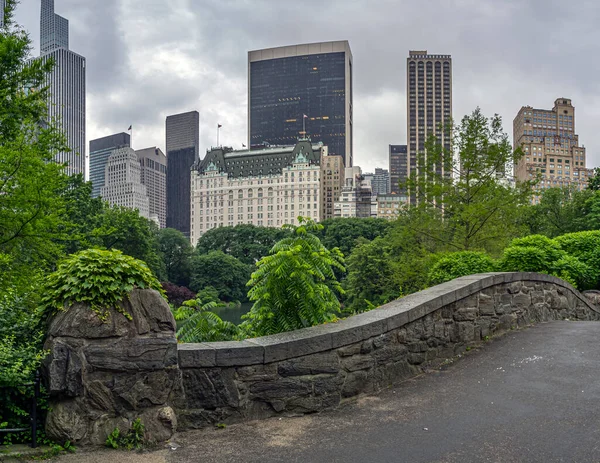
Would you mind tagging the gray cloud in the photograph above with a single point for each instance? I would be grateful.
(151, 58)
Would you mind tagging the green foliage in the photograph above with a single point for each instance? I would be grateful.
(247, 243)
(549, 247)
(525, 259)
(132, 439)
(372, 277)
(30, 208)
(344, 233)
(176, 252)
(225, 273)
(100, 278)
(571, 269)
(560, 210)
(459, 264)
(472, 208)
(585, 246)
(294, 287)
(594, 180)
(202, 325)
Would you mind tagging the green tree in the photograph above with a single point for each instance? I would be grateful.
(176, 252)
(473, 206)
(223, 272)
(126, 230)
(246, 242)
(560, 211)
(594, 180)
(295, 286)
(30, 207)
(458, 264)
(343, 233)
(372, 276)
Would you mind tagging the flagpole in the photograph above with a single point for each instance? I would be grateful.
(304, 126)
(218, 128)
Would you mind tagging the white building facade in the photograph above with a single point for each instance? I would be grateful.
(123, 185)
(269, 187)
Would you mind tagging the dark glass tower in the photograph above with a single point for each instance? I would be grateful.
(183, 140)
(398, 167)
(288, 83)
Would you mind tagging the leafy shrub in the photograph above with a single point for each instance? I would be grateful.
(132, 439)
(177, 295)
(295, 286)
(571, 269)
(459, 264)
(525, 259)
(550, 248)
(585, 246)
(99, 278)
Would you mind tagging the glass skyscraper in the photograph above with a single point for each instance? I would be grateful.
(66, 105)
(301, 86)
(182, 141)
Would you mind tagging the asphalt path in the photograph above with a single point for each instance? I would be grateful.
(529, 396)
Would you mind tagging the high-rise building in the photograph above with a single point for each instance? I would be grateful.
(301, 87)
(379, 181)
(390, 205)
(182, 144)
(398, 167)
(268, 187)
(357, 198)
(2, 7)
(429, 104)
(123, 185)
(66, 82)
(332, 179)
(551, 147)
(154, 177)
(100, 150)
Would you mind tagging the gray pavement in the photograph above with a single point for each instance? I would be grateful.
(529, 396)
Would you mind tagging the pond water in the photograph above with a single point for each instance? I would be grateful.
(233, 315)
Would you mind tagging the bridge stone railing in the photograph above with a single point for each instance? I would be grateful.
(131, 369)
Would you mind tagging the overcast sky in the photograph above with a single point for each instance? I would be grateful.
(147, 59)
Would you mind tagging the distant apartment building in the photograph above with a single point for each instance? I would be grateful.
(379, 181)
(299, 87)
(357, 198)
(182, 145)
(153, 163)
(390, 205)
(332, 178)
(268, 187)
(123, 184)
(429, 104)
(551, 147)
(100, 151)
(67, 87)
(398, 156)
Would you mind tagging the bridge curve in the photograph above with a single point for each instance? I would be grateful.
(320, 367)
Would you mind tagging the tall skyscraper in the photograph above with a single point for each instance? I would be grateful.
(66, 105)
(2, 7)
(154, 176)
(551, 147)
(123, 182)
(398, 167)
(302, 86)
(182, 141)
(100, 150)
(429, 103)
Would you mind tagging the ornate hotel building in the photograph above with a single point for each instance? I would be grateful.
(551, 147)
(268, 187)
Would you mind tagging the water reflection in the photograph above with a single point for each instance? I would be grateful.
(233, 315)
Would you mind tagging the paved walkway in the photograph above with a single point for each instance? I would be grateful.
(529, 396)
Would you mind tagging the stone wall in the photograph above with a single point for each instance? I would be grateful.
(104, 375)
(321, 367)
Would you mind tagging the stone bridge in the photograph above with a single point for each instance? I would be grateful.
(104, 375)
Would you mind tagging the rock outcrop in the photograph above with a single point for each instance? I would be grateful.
(103, 374)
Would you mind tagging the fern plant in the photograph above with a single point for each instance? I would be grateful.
(295, 286)
(199, 324)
